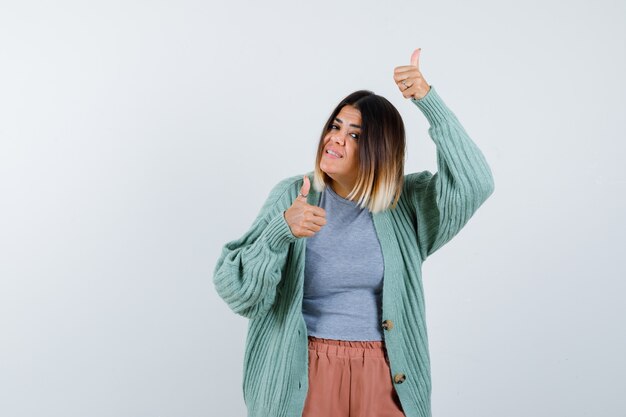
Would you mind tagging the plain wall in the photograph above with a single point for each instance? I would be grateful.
(136, 138)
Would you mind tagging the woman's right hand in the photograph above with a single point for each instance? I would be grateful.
(304, 219)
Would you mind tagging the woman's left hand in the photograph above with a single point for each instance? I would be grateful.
(409, 78)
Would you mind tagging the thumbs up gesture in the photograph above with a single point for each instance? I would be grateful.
(304, 219)
(409, 78)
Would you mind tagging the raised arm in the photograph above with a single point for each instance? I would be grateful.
(443, 202)
(446, 200)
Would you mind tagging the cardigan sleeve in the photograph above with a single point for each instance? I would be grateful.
(250, 268)
(445, 201)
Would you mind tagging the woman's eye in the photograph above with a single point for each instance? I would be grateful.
(355, 135)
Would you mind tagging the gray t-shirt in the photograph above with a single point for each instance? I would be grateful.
(343, 276)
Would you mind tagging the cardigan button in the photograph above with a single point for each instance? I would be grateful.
(399, 378)
(387, 324)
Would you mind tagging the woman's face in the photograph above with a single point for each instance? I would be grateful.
(343, 138)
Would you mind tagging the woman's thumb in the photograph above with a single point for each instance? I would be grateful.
(306, 185)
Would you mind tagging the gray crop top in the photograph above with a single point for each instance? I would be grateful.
(343, 276)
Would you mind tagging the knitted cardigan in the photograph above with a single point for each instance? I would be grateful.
(260, 275)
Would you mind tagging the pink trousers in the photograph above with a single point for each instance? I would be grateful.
(350, 379)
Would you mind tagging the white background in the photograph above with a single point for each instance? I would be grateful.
(136, 138)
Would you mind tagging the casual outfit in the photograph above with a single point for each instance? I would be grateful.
(337, 318)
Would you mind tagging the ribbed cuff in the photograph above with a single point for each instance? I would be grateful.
(433, 107)
(277, 231)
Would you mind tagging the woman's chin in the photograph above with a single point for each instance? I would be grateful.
(328, 172)
(327, 168)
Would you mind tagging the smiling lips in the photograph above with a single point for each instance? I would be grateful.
(333, 153)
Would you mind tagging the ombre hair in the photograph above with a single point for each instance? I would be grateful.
(381, 150)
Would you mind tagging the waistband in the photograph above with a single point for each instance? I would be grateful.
(349, 348)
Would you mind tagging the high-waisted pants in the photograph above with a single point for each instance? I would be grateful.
(350, 379)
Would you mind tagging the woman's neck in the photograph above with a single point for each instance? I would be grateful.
(340, 189)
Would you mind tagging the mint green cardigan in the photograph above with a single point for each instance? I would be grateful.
(260, 275)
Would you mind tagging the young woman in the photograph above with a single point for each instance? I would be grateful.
(330, 275)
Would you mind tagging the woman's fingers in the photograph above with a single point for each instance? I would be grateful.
(409, 78)
(317, 220)
(400, 75)
(311, 227)
(318, 211)
(304, 219)
(405, 68)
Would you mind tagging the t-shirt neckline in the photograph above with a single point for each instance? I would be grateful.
(339, 198)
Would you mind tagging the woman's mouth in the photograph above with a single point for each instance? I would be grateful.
(331, 154)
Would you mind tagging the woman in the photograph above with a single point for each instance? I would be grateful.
(330, 275)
